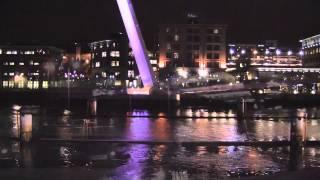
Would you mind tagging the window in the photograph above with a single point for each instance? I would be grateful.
(209, 47)
(153, 62)
(11, 74)
(104, 54)
(168, 46)
(11, 84)
(195, 56)
(216, 31)
(209, 56)
(12, 52)
(167, 30)
(5, 63)
(0, 51)
(45, 85)
(36, 63)
(97, 64)
(29, 52)
(196, 38)
(176, 38)
(217, 48)
(176, 55)
(196, 47)
(217, 39)
(189, 38)
(36, 84)
(21, 63)
(115, 53)
(169, 55)
(216, 56)
(130, 73)
(11, 63)
(115, 63)
(5, 74)
(5, 84)
(117, 83)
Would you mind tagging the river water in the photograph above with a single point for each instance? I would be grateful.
(160, 161)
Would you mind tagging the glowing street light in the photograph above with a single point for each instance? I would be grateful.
(289, 53)
(243, 51)
(267, 52)
(255, 52)
(301, 53)
(278, 52)
(231, 51)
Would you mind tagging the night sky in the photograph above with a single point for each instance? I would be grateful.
(61, 22)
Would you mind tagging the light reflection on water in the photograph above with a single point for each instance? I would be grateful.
(165, 161)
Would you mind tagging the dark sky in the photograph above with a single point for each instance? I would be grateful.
(65, 21)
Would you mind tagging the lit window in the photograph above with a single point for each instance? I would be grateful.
(29, 52)
(11, 84)
(5, 63)
(12, 52)
(115, 53)
(104, 54)
(117, 83)
(216, 31)
(154, 62)
(5, 74)
(130, 73)
(36, 84)
(11, 74)
(104, 74)
(5, 84)
(176, 37)
(21, 63)
(36, 63)
(155, 69)
(114, 44)
(30, 84)
(117, 73)
(45, 85)
(11, 63)
(176, 55)
(97, 64)
(115, 63)
(0, 51)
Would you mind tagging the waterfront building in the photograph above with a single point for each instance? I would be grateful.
(264, 55)
(311, 51)
(113, 63)
(30, 67)
(192, 45)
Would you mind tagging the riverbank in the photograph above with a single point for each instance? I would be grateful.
(309, 174)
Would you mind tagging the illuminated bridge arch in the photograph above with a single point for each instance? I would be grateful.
(138, 45)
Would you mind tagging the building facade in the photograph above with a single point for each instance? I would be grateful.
(31, 67)
(311, 50)
(113, 63)
(192, 45)
(263, 55)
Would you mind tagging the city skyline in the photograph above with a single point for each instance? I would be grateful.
(60, 22)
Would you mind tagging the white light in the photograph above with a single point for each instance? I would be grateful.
(301, 53)
(289, 53)
(243, 51)
(203, 73)
(255, 52)
(231, 51)
(267, 52)
(278, 52)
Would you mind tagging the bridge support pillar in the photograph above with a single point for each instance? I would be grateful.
(297, 139)
(93, 105)
(26, 127)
